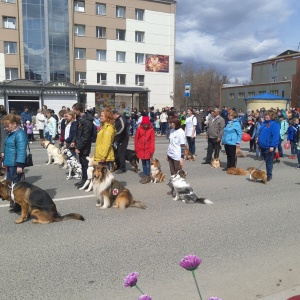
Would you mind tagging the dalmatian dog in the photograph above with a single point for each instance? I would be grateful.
(73, 165)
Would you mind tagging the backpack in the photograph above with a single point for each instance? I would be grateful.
(198, 130)
(94, 134)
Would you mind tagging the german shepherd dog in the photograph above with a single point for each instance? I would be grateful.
(110, 192)
(156, 174)
(130, 155)
(34, 201)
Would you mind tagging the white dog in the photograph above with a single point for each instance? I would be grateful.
(74, 165)
(55, 154)
(90, 170)
(184, 191)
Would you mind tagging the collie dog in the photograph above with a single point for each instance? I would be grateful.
(110, 192)
(257, 174)
(156, 174)
(215, 163)
(237, 171)
(89, 182)
(55, 154)
(183, 191)
(34, 202)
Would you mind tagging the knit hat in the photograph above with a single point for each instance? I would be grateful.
(145, 120)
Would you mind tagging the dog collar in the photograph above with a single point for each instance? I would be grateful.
(47, 145)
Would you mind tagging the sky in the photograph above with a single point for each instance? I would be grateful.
(232, 34)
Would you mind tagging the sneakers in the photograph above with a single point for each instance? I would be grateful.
(292, 157)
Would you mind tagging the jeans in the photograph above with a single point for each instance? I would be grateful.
(164, 128)
(12, 174)
(293, 148)
(84, 165)
(268, 158)
(298, 156)
(191, 143)
(146, 166)
(280, 147)
(48, 137)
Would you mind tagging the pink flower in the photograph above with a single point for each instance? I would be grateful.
(131, 279)
(145, 297)
(190, 262)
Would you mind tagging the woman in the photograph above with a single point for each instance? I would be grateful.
(14, 151)
(232, 138)
(163, 121)
(175, 153)
(3, 113)
(190, 130)
(40, 123)
(104, 152)
(70, 130)
(268, 139)
(144, 144)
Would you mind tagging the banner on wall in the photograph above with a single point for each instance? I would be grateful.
(103, 100)
(157, 63)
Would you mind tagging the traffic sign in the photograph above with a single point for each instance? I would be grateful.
(187, 90)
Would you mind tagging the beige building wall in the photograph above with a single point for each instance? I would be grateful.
(267, 104)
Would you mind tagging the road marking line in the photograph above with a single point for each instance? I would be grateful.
(60, 199)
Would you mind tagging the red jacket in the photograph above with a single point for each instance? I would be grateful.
(144, 142)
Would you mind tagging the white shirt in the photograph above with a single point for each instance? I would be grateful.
(163, 117)
(189, 123)
(177, 138)
(67, 130)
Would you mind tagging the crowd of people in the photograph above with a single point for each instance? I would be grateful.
(74, 128)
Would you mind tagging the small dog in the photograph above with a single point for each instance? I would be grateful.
(90, 170)
(34, 201)
(257, 174)
(188, 154)
(73, 164)
(239, 152)
(183, 191)
(156, 174)
(130, 155)
(276, 158)
(55, 154)
(110, 192)
(215, 163)
(237, 171)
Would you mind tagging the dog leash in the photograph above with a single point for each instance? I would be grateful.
(264, 161)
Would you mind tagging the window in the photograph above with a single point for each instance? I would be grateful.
(241, 95)
(10, 47)
(231, 95)
(120, 34)
(120, 12)
(101, 78)
(80, 53)
(251, 94)
(79, 30)
(9, 22)
(139, 79)
(11, 73)
(121, 79)
(101, 55)
(9, 1)
(275, 92)
(139, 58)
(100, 9)
(101, 32)
(139, 14)
(80, 77)
(139, 36)
(274, 79)
(79, 5)
(274, 66)
(120, 56)
(261, 92)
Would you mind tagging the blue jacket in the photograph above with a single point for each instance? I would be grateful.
(293, 133)
(25, 116)
(232, 133)
(15, 151)
(269, 134)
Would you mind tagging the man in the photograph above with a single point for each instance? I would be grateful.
(199, 119)
(82, 140)
(25, 116)
(214, 134)
(121, 140)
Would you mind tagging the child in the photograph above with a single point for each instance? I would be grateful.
(298, 150)
(29, 131)
(157, 125)
(293, 137)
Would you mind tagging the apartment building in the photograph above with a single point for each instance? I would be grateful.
(118, 53)
(279, 75)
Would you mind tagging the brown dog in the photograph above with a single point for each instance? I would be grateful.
(188, 154)
(110, 192)
(215, 163)
(257, 174)
(239, 152)
(34, 201)
(237, 171)
(156, 174)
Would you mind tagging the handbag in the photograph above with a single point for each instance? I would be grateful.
(28, 162)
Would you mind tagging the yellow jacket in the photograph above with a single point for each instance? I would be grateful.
(103, 149)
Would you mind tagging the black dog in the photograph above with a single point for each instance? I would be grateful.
(130, 156)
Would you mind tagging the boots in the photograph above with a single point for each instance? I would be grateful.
(146, 179)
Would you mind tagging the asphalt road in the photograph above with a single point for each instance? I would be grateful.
(248, 239)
